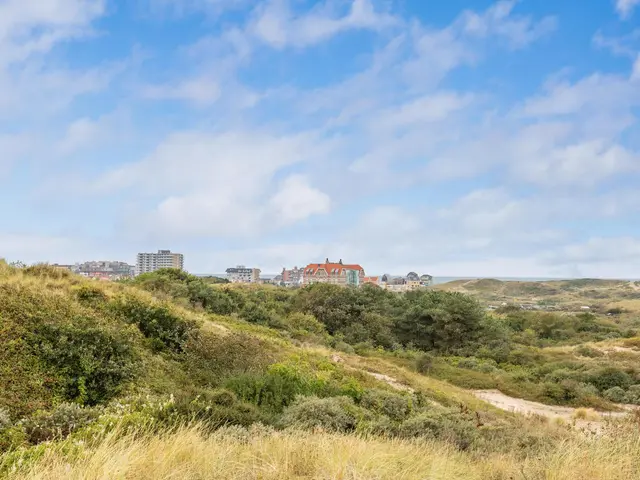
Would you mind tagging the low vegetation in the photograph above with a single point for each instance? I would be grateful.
(102, 372)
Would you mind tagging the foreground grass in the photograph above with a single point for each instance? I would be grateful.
(231, 453)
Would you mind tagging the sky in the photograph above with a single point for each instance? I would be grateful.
(458, 138)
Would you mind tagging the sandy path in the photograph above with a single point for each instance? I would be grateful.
(527, 407)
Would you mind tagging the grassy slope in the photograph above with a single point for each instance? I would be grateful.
(28, 301)
(570, 293)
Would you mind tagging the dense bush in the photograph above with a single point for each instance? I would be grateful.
(92, 361)
(91, 294)
(179, 285)
(633, 395)
(393, 405)
(587, 351)
(298, 321)
(337, 414)
(210, 357)
(441, 321)
(59, 423)
(615, 394)
(156, 321)
(278, 387)
(424, 363)
(609, 377)
(447, 425)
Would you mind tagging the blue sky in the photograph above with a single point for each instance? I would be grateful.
(458, 138)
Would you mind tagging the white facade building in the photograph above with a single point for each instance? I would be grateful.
(150, 262)
(242, 274)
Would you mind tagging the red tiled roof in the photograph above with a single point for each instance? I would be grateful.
(370, 279)
(313, 268)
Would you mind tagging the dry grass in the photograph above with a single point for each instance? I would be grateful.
(191, 454)
(586, 414)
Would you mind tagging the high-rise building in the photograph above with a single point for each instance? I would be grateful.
(150, 262)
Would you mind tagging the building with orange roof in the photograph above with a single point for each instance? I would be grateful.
(335, 273)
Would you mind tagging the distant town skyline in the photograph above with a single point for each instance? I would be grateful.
(472, 138)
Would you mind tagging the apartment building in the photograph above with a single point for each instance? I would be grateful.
(335, 273)
(150, 262)
(242, 274)
(292, 277)
(107, 270)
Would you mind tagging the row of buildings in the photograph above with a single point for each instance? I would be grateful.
(112, 270)
(336, 273)
(340, 273)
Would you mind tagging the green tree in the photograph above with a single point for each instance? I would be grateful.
(437, 320)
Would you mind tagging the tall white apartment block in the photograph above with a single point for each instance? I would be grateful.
(150, 262)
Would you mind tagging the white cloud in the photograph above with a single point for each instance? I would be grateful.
(13, 148)
(35, 27)
(626, 7)
(296, 200)
(423, 110)
(199, 90)
(635, 74)
(587, 164)
(498, 21)
(593, 93)
(625, 45)
(183, 7)
(32, 248)
(276, 25)
(91, 133)
(220, 183)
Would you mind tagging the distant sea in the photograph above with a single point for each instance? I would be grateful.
(436, 280)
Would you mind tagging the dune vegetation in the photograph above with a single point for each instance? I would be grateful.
(173, 376)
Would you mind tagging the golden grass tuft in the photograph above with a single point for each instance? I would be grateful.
(586, 414)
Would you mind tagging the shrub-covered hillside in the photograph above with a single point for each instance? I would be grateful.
(83, 363)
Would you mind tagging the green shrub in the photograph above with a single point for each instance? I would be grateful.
(210, 357)
(609, 377)
(633, 395)
(615, 394)
(64, 419)
(382, 426)
(93, 361)
(256, 313)
(424, 363)
(337, 414)
(436, 320)
(156, 321)
(344, 347)
(12, 438)
(305, 322)
(221, 396)
(555, 392)
(587, 351)
(487, 368)
(447, 426)
(393, 405)
(468, 363)
(277, 388)
(91, 294)
(222, 409)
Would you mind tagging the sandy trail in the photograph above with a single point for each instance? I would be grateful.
(527, 407)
